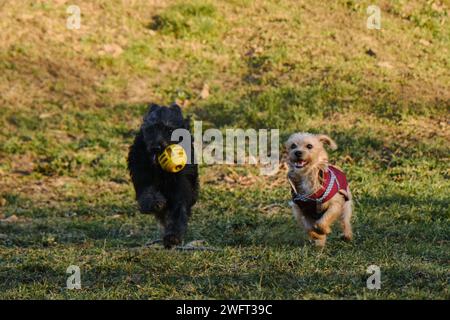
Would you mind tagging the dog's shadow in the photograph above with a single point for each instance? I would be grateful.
(242, 225)
(122, 225)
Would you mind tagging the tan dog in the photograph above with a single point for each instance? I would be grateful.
(320, 192)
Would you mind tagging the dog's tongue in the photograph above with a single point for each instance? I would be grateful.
(301, 163)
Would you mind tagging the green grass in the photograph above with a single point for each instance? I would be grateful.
(72, 100)
(184, 20)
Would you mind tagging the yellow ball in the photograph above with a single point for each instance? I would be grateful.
(173, 158)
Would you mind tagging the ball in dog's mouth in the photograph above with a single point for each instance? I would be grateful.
(300, 164)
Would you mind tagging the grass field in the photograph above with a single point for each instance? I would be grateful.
(71, 101)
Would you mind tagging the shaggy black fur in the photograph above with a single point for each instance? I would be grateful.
(169, 196)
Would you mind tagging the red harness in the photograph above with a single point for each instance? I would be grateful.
(334, 180)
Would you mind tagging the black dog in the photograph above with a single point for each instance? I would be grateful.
(169, 196)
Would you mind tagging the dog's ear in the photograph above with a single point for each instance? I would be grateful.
(287, 143)
(327, 140)
(175, 107)
(152, 107)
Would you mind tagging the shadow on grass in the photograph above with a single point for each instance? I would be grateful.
(376, 237)
(335, 282)
(30, 274)
(242, 226)
(268, 279)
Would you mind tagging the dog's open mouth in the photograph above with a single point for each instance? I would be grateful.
(300, 164)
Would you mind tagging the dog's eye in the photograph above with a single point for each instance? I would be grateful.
(293, 146)
(309, 146)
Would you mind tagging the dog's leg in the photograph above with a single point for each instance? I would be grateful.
(298, 214)
(320, 242)
(302, 221)
(176, 225)
(334, 211)
(308, 225)
(319, 238)
(346, 224)
(151, 201)
(178, 211)
(160, 219)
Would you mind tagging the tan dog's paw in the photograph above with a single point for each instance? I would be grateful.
(322, 228)
(347, 237)
(314, 235)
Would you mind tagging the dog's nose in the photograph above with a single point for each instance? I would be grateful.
(298, 154)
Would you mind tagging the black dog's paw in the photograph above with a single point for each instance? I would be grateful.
(159, 202)
(171, 240)
(151, 203)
